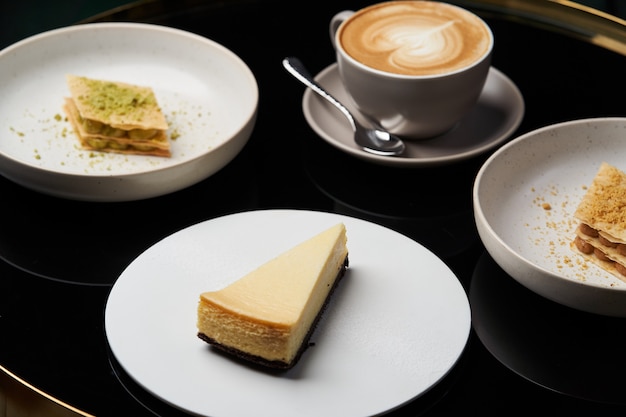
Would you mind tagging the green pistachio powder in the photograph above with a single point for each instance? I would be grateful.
(109, 98)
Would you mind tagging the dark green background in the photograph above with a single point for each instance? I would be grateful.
(22, 18)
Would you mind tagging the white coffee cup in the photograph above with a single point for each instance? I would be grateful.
(417, 67)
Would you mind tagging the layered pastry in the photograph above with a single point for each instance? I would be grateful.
(267, 317)
(601, 235)
(116, 117)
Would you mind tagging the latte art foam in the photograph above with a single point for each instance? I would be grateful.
(415, 38)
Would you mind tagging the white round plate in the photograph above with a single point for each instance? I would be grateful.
(209, 97)
(524, 199)
(498, 113)
(396, 325)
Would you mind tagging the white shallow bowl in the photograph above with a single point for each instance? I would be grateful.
(208, 94)
(549, 167)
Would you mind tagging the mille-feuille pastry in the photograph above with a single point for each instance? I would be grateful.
(601, 235)
(116, 117)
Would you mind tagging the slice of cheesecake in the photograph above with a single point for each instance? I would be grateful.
(268, 316)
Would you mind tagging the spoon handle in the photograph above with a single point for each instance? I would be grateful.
(299, 71)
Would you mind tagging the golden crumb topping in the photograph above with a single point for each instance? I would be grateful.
(604, 205)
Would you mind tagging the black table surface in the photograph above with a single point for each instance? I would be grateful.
(525, 353)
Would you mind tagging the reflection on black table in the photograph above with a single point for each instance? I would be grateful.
(54, 329)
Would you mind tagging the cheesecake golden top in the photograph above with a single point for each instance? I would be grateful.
(277, 292)
(604, 205)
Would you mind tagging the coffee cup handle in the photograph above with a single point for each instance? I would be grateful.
(336, 21)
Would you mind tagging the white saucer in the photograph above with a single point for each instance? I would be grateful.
(499, 112)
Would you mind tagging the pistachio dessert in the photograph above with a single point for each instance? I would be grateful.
(117, 117)
(267, 317)
(601, 234)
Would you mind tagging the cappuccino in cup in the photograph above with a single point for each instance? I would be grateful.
(417, 67)
(415, 38)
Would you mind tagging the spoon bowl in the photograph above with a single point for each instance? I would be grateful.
(375, 140)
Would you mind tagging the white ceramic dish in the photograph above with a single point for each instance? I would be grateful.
(498, 113)
(396, 325)
(208, 94)
(549, 166)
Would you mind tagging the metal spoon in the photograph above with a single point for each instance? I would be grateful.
(376, 140)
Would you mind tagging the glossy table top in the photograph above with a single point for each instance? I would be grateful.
(525, 353)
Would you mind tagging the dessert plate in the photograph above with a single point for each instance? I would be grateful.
(524, 198)
(208, 94)
(497, 115)
(400, 317)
